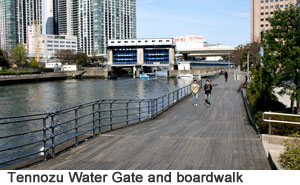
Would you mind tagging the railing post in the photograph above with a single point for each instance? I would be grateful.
(168, 100)
(181, 93)
(149, 116)
(127, 114)
(156, 107)
(177, 95)
(45, 138)
(163, 103)
(99, 117)
(140, 111)
(270, 126)
(94, 121)
(173, 101)
(52, 136)
(76, 126)
(110, 115)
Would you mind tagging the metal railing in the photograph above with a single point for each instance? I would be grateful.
(26, 137)
(53, 74)
(270, 120)
(249, 114)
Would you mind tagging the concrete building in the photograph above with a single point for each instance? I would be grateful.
(141, 53)
(49, 44)
(260, 11)
(102, 20)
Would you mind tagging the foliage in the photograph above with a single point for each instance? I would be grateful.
(3, 58)
(81, 59)
(66, 56)
(290, 159)
(19, 54)
(239, 56)
(282, 51)
(33, 63)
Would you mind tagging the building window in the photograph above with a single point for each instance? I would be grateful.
(160, 41)
(153, 40)
(267, 13)
(49, 45)
(262, 7)
(262, 25)
(262, 19)
(262, 13)
(62, 46)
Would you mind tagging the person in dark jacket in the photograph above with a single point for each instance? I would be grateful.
(207, 89)
(226, 76)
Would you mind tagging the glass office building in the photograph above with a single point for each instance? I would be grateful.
(8, 24)
(102, 20)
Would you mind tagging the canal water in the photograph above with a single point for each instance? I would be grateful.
(33, 98)
(46, 97)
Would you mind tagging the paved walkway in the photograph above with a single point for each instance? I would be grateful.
(218, 137)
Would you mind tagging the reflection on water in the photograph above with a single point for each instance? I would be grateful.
(50, 96)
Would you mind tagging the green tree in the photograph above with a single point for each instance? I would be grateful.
(19, 54)
(33, 63)
(239, 57)
(3, 58)
(281, 46)
(66, 56)
(81, 59)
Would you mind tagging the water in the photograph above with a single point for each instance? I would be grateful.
(36, 98)
(45, 97)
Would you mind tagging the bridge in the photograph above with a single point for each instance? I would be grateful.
(185, 137)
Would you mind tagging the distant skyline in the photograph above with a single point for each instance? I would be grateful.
(225, 22)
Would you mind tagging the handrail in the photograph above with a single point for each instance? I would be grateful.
(46, 133)
(270, 120)
(248, 111)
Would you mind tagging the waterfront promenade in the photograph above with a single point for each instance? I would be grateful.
(185, 137)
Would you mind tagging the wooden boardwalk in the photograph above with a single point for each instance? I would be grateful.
(218, 137)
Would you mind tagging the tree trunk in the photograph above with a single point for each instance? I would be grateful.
(297, 107)
(292, 105)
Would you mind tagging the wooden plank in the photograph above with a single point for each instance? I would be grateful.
(184, 137)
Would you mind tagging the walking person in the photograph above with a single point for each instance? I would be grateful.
(207, 89)
(226, 76)
(195, 90)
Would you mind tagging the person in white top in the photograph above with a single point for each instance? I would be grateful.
(195, 90)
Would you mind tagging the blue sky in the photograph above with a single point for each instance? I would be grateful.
(225, 22)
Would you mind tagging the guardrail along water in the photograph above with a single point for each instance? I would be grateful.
(53, 132)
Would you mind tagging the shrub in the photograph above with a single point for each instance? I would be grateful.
(290, 159)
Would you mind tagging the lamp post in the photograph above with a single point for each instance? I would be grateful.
(261, 40)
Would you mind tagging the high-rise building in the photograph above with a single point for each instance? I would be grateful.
(94, 22)
(102, 20)
(48, 17)
(260, 11)
(64, 18)
(8, 24)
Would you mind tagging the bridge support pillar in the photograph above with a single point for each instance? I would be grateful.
(134, 71)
